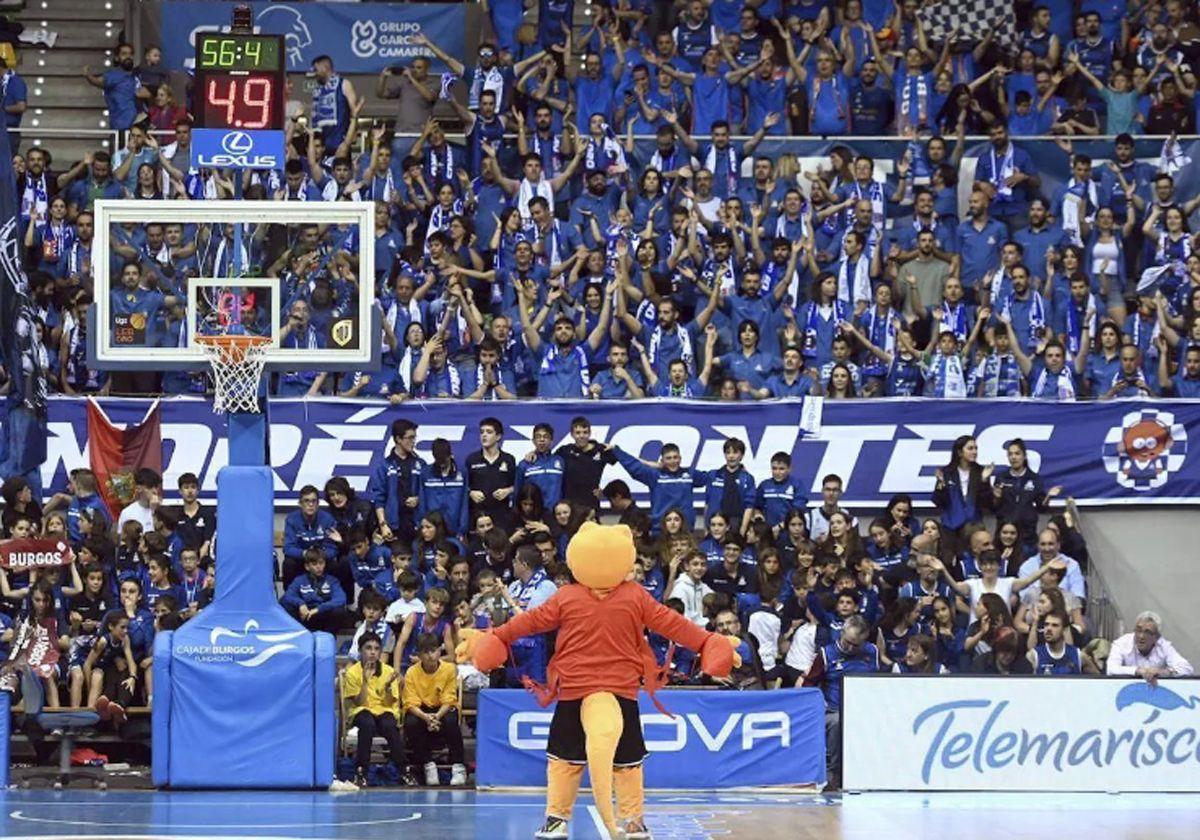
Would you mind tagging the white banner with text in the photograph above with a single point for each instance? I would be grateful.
(1020, 733)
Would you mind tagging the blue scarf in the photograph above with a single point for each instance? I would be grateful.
(810, 327)
(956, 319)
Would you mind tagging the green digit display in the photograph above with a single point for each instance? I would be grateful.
(238, 52)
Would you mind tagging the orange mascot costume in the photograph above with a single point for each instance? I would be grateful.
(601, 661)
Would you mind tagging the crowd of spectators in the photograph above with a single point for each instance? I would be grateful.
(433, 547)
(551, 255)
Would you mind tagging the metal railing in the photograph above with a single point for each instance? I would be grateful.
(1103, 613)
(32, 135)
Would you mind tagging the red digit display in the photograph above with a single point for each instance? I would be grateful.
(241, 100)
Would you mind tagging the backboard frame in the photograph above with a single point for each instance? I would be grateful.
(107, 212)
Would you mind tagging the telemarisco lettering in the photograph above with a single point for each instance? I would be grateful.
(959, 741)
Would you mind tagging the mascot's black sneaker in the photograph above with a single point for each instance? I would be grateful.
(635, 830)
(553, 829)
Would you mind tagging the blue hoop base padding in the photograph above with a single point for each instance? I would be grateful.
(244, 694)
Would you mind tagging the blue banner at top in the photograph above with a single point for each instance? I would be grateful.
(359, 37)
(1103, 453)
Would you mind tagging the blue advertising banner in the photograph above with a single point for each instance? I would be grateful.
(711, 739)
(1120, 452)
(229, 149)
(359, 37)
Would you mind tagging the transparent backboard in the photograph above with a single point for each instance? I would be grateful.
(295, 272)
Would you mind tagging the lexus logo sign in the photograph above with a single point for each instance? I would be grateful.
(237, 143)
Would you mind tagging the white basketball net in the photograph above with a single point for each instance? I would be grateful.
(237, 369)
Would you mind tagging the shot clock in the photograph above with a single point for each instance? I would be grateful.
(240, 81)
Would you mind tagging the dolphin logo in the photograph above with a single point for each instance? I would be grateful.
(1157, 697)
(288, 22)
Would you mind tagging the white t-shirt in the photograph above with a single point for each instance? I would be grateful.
(764, 627)
(137, 512)
(803, 651)
(964, 482)
(400, 609)
(1003, 588)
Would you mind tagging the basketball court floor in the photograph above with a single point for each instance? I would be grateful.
(437, 815)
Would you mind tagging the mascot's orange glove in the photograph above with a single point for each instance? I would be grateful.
(482, 649)
(718, 656)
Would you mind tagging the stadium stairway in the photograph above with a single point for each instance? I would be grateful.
(59, 97)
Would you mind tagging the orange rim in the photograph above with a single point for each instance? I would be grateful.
(235, 345)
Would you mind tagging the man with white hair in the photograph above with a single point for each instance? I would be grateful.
(851, 653)
(1145, 653)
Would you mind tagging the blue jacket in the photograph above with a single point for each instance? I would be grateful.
(545, 471)
(957, 511)
(80, 504)
(777, 499)
(365, 569)
(325, 594)
(714, 491)
(392, 481)
(300, 534)
(667, 489)
(446, 493)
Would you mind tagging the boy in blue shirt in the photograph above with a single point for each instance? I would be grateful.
(314, 598)
(670, 484)
(780, 494)
(731, 489)
(542, 467)
(366, 561)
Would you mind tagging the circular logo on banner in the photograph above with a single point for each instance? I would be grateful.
(237, 143)
(362, 38)
(138, 321)
(1145, 449)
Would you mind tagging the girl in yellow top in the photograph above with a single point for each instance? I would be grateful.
(373, 688)
(431, 710)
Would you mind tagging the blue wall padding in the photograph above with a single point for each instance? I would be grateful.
(160, 712)
(326, 704)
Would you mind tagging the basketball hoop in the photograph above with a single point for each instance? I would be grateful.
(237, 365)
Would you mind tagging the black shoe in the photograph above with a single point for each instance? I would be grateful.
(407, 779)
(360, 778)
(553, 829)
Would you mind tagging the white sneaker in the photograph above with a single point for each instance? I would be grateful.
(458, 775)
(431, 775)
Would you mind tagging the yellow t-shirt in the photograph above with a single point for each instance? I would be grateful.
(381, 696)
(430, 690)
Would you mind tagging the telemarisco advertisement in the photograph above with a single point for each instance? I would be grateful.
(710, 739)
(1107, 453)
(1020, 733)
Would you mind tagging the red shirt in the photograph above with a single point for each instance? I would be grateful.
(601, 641)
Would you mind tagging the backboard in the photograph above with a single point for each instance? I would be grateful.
(166, 271)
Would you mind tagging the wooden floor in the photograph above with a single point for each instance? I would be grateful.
(384, 814)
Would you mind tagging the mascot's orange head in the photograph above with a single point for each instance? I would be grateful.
(601, 556)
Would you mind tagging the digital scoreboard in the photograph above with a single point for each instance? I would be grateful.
(240, 81)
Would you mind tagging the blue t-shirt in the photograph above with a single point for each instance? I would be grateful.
(120, 97)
